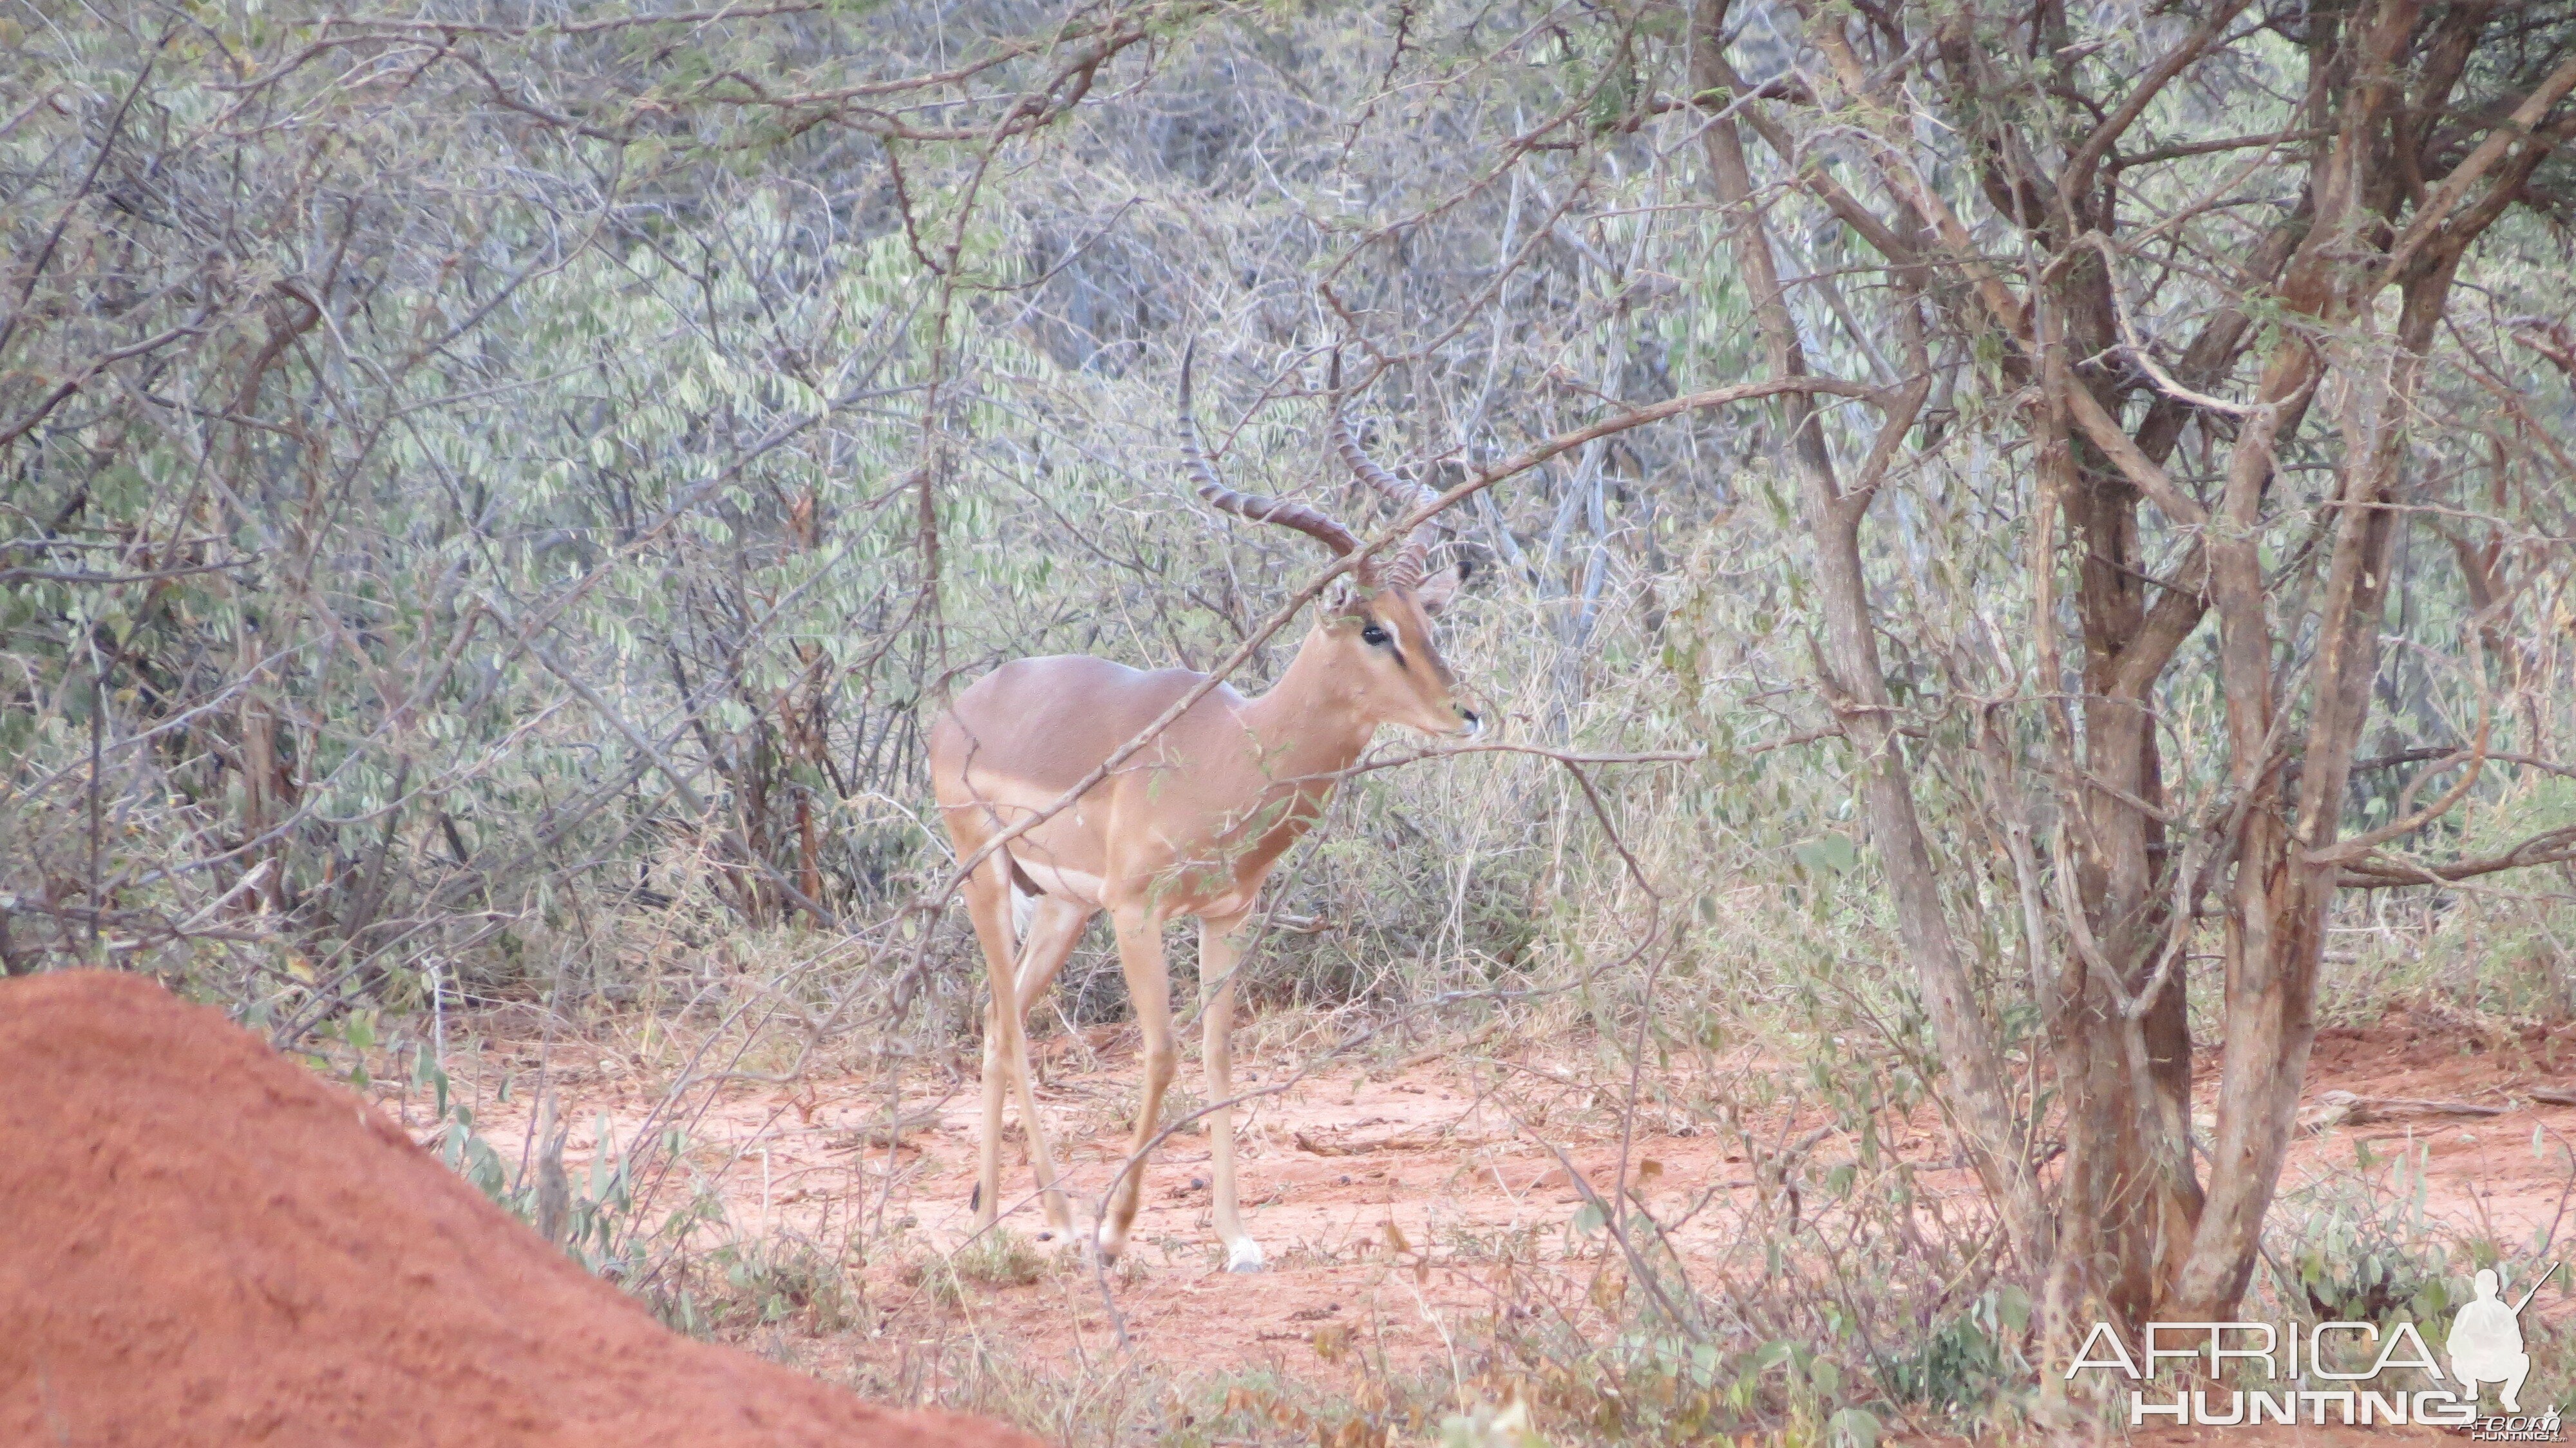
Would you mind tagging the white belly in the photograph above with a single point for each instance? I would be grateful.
(1058, 880)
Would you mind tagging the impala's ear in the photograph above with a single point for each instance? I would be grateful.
(1439, 588)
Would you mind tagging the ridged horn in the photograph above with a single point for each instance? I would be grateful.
(1314, 522)
(1413, 556)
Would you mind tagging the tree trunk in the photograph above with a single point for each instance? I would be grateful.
(1979, 1103)
(2287, 874)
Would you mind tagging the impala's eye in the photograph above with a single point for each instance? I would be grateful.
(1373, 636)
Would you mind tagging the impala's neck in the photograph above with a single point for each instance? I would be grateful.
(1311, 723)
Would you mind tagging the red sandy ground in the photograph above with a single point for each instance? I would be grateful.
(1446, 1160)
(1451, 1156)
(202, 1243)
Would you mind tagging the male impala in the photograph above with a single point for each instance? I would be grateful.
(1188, 825)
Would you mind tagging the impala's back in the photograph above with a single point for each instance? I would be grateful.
(1021, 736)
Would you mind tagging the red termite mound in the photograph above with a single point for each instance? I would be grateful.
(203, 1243)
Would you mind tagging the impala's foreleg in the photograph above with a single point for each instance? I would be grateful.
(1220, 947)
(1149, 988)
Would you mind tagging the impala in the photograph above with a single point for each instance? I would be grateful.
(1188, 825)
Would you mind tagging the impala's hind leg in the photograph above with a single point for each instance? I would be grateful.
(1054, 926)
(988, 904)
(1149, 987)
(1220, 946)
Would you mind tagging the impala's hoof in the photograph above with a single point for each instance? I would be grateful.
(1109, 1244)
(1243, 1255)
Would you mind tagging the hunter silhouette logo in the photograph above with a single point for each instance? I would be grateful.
(2335, 1372)
(2486, 1341)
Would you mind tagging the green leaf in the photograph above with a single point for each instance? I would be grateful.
(2012, 1308)
(1828, 855)
(1853, 1428)
(1827, 1378)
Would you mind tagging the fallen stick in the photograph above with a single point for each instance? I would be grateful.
(2344, 1108)
(2554, 1095)
(1401, 1141)
(878, 1133)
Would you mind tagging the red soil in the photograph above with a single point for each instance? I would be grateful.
(204, 1243)
(1452, 1155)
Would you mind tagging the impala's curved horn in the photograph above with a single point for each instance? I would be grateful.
(1413, 556)
(1314, 522)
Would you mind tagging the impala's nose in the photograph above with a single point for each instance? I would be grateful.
(1475, 724)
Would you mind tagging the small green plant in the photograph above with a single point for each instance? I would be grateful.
(1966, 1358)
(594, 1221)
(778, 1281)
(2352, 1251)
(999, 1258)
